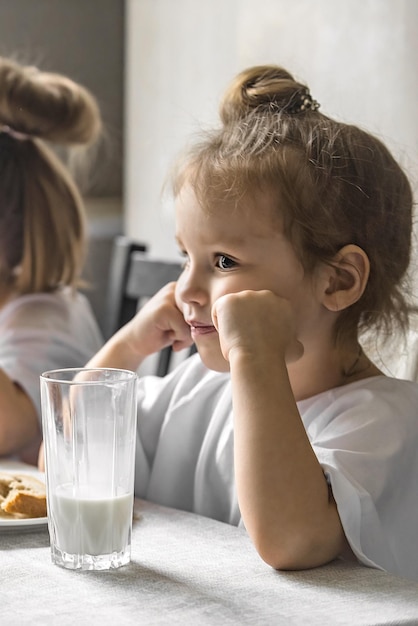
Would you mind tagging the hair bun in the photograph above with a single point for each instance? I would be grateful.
(47, 105)
(268, 86)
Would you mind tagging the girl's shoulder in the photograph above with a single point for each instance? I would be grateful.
(26, 310)
(375, 400)
(64, 311)
(60, 299)
(374, 386)
(378, 386)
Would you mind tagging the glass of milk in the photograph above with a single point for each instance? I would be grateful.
(89, 429)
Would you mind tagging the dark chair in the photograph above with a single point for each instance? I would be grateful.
(120, 308)
(134, 278)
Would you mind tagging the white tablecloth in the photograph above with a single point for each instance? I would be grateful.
(190, 570)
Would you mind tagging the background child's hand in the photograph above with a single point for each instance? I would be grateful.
(256, 322)
(158, 324)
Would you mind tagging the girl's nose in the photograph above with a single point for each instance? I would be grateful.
(191, 288)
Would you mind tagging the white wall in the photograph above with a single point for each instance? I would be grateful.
(359, 58)
(72, 37)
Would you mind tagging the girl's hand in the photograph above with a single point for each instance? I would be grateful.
(256, 322)
(158, 324)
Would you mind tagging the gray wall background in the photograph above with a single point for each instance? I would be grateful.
(83, 39)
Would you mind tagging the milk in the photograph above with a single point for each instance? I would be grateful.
(90, 525)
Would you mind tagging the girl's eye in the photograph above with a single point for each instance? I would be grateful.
(185, 259)
(224, 262)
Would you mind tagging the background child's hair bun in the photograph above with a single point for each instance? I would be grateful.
(267, 86)
(47, 105)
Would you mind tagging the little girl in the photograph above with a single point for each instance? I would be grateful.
(296, 234)
(44, 322)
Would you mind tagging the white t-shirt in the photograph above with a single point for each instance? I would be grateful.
(365, 435)
(44, 331)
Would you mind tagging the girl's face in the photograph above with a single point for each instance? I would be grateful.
(230, 250)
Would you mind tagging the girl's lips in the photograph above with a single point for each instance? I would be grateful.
(198, 330)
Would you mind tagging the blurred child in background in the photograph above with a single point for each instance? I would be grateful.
(45, 323)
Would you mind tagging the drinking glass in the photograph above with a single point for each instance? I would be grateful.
(89, 429)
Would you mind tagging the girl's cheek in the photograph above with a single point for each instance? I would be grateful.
(177, 297)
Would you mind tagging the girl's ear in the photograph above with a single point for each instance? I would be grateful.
(347, 277)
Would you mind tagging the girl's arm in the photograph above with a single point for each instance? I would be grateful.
(283, 495)
(19, 425)
(158, 324)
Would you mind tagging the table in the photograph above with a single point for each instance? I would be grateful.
(190, 570)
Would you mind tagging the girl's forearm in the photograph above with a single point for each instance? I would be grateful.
(283, 494)
(117, 352)
(19, 425)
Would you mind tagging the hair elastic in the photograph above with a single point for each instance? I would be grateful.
(8, 130)
(305, 102)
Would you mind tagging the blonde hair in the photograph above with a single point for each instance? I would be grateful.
(331, 184)
(42, 217)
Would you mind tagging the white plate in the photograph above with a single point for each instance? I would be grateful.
(29, 523)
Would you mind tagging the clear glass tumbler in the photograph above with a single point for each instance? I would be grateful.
(89, 429)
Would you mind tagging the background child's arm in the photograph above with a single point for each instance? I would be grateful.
(19, 424)
(283, 494)
(158, 324)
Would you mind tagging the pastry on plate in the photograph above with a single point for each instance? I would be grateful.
(21, 496)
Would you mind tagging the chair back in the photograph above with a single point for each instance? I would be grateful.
(147, 276)
(119, 308)
(134, 278)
